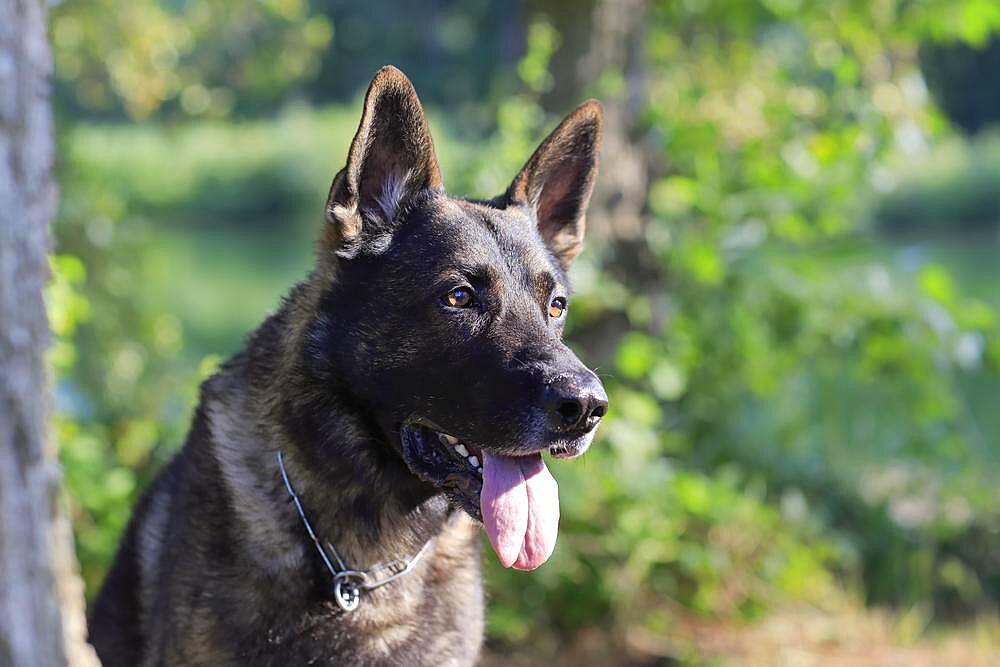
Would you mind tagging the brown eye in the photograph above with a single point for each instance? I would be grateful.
(557, 307)
(459, 297)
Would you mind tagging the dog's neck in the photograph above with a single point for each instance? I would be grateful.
(373, 575)
(355, 489)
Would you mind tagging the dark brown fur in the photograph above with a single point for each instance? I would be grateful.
(216, 567)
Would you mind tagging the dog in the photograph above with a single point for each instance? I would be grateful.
(326, 506)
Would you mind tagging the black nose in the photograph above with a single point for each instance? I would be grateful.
(575, 402)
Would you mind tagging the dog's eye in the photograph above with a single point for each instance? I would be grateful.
(459, 297)
(557, 307)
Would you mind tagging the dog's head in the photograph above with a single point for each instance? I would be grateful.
(444, 316)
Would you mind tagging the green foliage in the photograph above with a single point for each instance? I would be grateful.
(229, 173)
(821, 369)
(458, 53)
(193, 58)
(216, 58)
(830, 378)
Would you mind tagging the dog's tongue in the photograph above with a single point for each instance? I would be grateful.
(520, 504)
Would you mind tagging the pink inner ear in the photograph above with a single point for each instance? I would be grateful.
(558, 210)
(392, 153)
(557, 203)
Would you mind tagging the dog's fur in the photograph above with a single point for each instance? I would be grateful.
(216, 567)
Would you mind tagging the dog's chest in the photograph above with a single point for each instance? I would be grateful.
(434, 616)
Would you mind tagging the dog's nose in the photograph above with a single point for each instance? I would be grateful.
(575, 402)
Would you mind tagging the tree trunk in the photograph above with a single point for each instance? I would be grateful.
(616, 45)
(41, 602)
(617, 215)
(610, 36)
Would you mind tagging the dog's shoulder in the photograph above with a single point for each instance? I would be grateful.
(120, 615)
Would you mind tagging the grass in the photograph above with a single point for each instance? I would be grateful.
(972, 260)
(224, 283)
(952, 188)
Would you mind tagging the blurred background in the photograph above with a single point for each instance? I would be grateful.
(791, 290)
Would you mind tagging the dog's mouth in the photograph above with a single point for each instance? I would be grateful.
(515, 496)
(444, 461)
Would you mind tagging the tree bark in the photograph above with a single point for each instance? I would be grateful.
(39, 584)
(616, 45)
(617, 216)
(610, 35)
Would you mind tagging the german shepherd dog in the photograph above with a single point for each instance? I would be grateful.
(400, 398)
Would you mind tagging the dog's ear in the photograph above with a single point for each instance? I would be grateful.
(558, 179)
(391, 158)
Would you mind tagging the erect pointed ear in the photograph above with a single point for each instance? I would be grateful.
(391, 158)
(558, 179)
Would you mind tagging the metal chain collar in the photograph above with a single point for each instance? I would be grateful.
(348, 584)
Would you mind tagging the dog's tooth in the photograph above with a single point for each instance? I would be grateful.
(460, 448)
(474, 461)
(447, 439)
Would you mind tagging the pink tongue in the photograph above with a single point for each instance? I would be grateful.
(520, 504)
